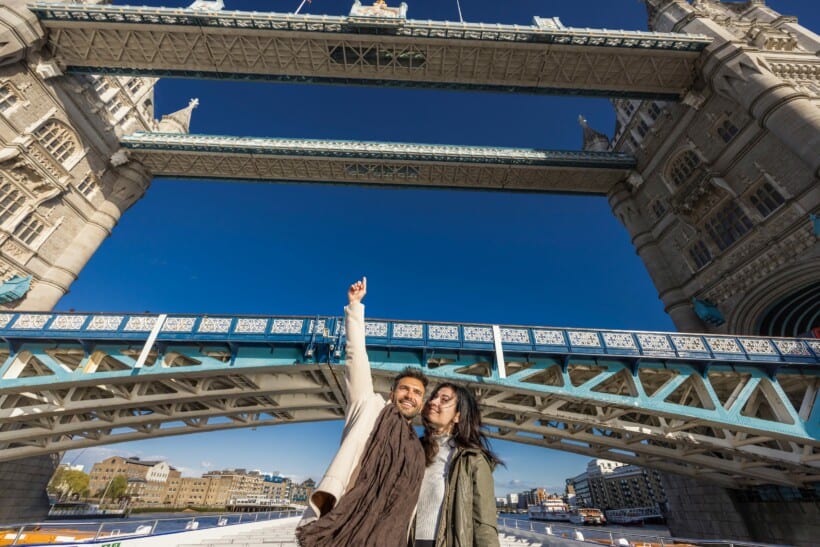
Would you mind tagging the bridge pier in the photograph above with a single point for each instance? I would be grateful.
(702, 510)
(23, 483)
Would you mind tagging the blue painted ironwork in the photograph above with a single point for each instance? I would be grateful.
(444, 30)
(681, 402)
(14, 288)
(815, 220)
(376, 150)
(708, 312)
(693, 348)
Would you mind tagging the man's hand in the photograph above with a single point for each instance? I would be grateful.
(357, 291)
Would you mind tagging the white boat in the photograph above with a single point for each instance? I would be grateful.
(551, 510)
(587, 515)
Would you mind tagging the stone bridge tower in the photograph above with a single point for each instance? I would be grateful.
(722, 207)
(62, 188)
(723, 212)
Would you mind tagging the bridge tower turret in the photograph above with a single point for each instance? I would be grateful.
(721, 215)
(60, 192)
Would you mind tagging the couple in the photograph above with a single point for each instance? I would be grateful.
(387, 488)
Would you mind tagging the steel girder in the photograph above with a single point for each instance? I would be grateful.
(324, 49)
(385, 164)
(739, 411)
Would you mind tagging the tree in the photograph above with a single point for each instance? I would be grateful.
(67, 482)
(117, 487)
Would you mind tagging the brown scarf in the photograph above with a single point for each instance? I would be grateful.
(377, 510)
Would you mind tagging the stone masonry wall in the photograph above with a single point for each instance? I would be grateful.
(23, 486)
(702, 510)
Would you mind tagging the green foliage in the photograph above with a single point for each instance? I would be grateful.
(117, 488)
(67, 482)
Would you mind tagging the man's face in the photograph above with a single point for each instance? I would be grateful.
(408, 396)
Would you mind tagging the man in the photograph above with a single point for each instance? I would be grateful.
(368, 494)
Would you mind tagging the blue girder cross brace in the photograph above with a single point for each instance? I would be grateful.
(736, 410)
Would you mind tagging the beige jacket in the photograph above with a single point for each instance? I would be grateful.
(363, 408)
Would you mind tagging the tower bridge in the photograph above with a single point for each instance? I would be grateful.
(712, 168)
(414, 165)
(737, 411)
(377, 47)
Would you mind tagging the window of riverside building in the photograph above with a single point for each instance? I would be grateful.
(766, 199)
(727, 130)
(7, 97)
(57, 139)
(29, 230)
(654, 110)
(10, 202)
(682, 167)
(728, 225)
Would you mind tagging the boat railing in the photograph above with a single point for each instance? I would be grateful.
(90, 531)
(545, 532)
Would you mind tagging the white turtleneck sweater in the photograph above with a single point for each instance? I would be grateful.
(433, 486)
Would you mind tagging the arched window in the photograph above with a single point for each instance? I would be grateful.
(727, 130)
(766, 199)
(682, 167)
(7, 97)
(700, 254)
(10, 202)
(728, 225)
(57, 139)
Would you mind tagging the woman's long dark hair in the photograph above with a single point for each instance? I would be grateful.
(467, 431)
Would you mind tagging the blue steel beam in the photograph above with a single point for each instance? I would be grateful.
(739, 410)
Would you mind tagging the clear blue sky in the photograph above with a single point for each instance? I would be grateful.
(235, 248)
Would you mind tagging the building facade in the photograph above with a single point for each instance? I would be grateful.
(147, 480)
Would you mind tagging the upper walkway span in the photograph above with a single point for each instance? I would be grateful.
(738, 411)
(545, 58)
(391, 164)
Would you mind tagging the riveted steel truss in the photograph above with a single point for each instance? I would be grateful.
(527, 59)
(739, 411)
(392, 164)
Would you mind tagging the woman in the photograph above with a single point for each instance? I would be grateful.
(456, 506)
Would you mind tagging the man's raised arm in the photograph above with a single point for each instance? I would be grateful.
(359, 380)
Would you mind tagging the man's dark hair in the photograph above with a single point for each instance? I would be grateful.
(410, 372)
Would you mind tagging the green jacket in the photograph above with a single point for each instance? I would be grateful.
(468, 515)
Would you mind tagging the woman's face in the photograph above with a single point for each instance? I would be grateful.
(440, 410)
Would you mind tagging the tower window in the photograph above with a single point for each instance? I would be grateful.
(700, 254)
(727, 130)
(683, 167)
(10, 202)
(7, 98)
(57, 139)
(728, 225)
(29, 230)
(87, 186)
(654, 111)
(766, 199)
(135, 85)
(642, 128)
(658, 208)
